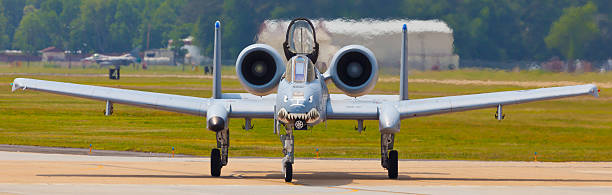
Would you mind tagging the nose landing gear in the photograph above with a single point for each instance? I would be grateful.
(218, 158)
(389, 157)
(287, 141)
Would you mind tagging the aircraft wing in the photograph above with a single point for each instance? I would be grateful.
(368, 107)
(252, 107)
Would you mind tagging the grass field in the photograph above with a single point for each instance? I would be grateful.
(573, 129)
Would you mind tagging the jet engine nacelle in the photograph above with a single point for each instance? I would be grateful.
(259, 68)
(354, 70)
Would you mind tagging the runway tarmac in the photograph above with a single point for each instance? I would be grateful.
(44, 173)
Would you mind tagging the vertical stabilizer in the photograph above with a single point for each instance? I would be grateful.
(216, 90)
(404, 66)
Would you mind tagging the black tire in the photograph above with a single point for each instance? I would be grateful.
(288, 172)
(215, 162)
(392, 164)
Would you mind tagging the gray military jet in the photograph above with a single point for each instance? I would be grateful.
(303, 99)
(104, 60)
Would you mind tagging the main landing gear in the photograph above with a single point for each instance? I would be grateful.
(388, 155)
(288, 151)
(218, 158)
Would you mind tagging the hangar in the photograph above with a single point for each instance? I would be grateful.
(430, 42)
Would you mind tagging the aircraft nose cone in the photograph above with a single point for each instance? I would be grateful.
(216, 124)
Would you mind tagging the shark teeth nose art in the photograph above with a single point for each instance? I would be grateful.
(312, 116)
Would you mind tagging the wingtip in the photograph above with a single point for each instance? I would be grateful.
(13, 87)
(217, 24)
(16, 84)
(404, 27)
(595, 91)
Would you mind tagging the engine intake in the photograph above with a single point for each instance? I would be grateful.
(354, 70)
(259, 68)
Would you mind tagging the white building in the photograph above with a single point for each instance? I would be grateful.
(194, 55)
(52, 53)
(159, 57)
(430, 42)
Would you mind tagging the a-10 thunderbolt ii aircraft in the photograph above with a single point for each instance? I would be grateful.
(303, 99)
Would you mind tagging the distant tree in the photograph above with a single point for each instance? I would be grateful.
(163, 21)
(92, 27)
(31, 35)
(49, 17)
(177, 35)
(238, 30)
(70, 11)
(13, 11)
(203, 29)
(4, 38)
(123, 32)
(146, 9)
(574, 29)
(485, 29)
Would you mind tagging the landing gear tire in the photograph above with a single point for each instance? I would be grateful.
(392, 166)
(288, 172)
(215, 162)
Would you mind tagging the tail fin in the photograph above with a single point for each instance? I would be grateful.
(216, 90)
(404, 66)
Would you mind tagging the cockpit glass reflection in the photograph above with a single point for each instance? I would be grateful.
(301, 38)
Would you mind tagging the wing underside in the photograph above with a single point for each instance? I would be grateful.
(240, 106)
(368, 107)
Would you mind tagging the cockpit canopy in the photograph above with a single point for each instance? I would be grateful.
(301, 39)
(300, 69)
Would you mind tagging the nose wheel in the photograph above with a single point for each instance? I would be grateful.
(288, 171)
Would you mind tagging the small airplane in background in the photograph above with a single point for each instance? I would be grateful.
(302, 98)
(104, 60)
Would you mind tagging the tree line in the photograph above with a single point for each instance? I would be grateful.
(483, 29)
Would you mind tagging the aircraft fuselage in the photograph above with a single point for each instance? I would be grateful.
(302, 95)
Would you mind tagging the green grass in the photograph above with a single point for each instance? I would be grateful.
(502, 75)
(573, 129)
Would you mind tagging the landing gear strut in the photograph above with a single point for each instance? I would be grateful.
(389, 156)
(287, 141)
(218, 158)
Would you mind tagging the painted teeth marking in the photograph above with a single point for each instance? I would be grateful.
(310, 116)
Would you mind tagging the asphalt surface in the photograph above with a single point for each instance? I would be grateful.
(52, 173)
